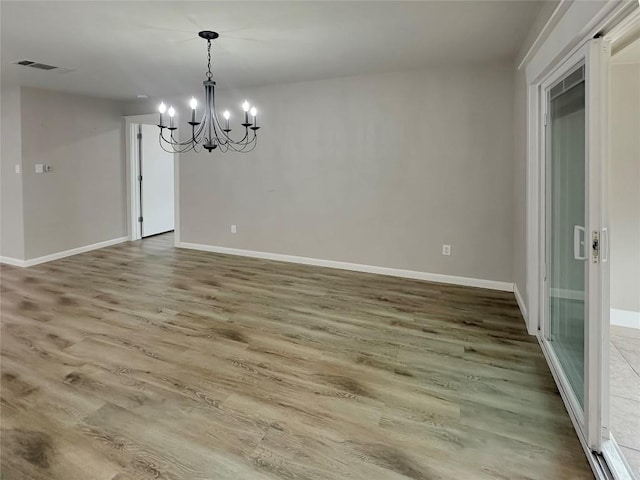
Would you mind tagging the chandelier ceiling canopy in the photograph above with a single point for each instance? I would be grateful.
(209, 132)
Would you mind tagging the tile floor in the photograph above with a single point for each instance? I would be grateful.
(625, 393)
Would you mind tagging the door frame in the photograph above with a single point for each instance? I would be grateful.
(131, 123)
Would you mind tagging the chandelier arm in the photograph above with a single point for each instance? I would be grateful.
(236, 147)
(175, 147)
(163, 148)
(244, 147)
(249, 140)
(200, 129)
(224, 135)
(162, 138)
(176, 144)
(243, 139)
(223, 138)
(249, 147)
(195, 134)
(243, 144)
(172, 150)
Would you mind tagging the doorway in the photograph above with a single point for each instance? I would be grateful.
(152, 186)
(155, 184)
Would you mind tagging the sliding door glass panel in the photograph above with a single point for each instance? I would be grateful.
(567, 239)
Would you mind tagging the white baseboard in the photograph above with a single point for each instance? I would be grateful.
(521, 304)
(16, 262)
(394, 272)
(67, 253)
(624, 318)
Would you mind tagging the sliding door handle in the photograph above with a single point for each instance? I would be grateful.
(579, 233)
(604, 249)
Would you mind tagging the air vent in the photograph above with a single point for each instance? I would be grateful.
(38, 65)
(42, 66)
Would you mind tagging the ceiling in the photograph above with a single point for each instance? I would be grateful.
(118, 49)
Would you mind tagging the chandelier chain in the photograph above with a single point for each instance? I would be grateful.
(209, 74)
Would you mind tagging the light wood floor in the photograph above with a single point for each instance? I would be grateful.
(142, 361)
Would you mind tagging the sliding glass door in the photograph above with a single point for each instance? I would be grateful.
(571, 326)
(573, 239)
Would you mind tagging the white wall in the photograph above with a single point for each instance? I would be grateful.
(376, 169)
(11, 217)
(624, 177)
(82, 200)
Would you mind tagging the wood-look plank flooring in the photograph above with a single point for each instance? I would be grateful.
(142, 361)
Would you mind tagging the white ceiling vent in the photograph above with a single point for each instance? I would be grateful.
(39, 66)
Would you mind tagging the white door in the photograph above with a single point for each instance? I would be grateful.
(156, 184)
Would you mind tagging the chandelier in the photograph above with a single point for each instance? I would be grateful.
(209, 133)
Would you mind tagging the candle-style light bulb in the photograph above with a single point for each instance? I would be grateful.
(193, 103)
(171, 112)
(246, 107)
(226, 116)
(254, 111)
(161, 108)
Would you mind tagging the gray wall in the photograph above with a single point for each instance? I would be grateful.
(377, 169)
(625, 187)
(520, 155)
(11, 223)
(82, 201)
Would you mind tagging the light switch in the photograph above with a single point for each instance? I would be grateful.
(17, 168)
(39, 168)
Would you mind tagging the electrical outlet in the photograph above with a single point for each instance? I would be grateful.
(234, 229)
(446, 250)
